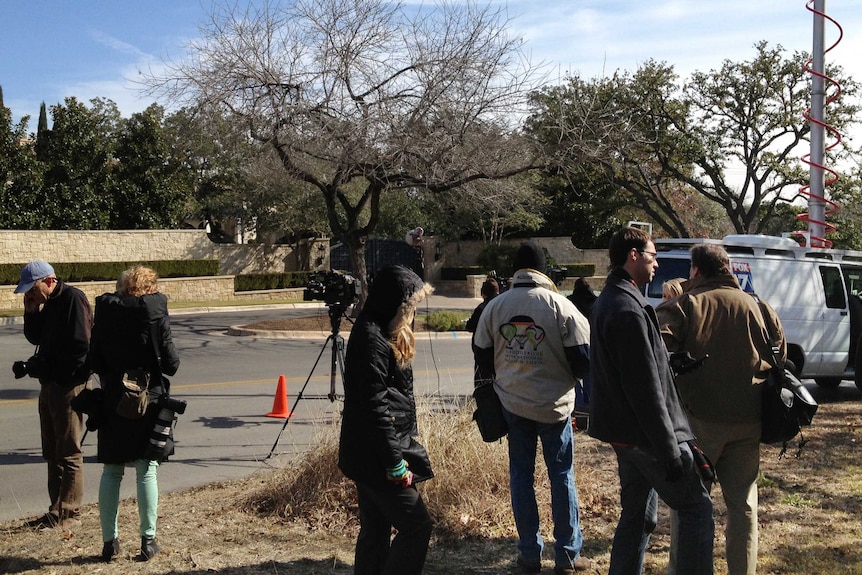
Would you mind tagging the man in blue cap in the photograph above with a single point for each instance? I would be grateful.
(57, 319)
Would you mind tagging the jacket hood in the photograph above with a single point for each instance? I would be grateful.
(392, 286)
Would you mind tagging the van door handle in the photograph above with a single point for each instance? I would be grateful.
(843, 313)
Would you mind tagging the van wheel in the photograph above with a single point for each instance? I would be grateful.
(828, 382)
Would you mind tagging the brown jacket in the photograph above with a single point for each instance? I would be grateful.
(715, 317)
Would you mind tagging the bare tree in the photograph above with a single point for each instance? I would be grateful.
(358, 97)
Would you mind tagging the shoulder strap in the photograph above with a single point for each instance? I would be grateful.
(770, 329)
(155, 348)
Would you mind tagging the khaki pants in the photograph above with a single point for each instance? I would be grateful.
(62, 431)
(734, 449)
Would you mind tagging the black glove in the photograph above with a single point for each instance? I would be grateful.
(682, 362)
(674, 470)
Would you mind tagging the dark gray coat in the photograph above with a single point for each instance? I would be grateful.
(633, 398)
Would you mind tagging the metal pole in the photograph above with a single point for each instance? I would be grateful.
(816, 206)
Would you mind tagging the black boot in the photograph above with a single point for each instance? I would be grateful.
(109, 549)
(149, 547)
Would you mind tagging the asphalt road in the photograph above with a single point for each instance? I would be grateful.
(229, 383)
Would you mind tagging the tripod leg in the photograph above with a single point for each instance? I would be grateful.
(301, 391)
(337, 361)
(339, 343)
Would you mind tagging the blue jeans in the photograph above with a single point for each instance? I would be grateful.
(642, 481)
(558, 450)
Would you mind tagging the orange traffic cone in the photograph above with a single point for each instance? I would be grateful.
(279, 404)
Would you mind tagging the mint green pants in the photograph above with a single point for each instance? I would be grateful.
(148, 497)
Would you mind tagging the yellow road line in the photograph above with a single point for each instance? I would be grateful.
(245, 382)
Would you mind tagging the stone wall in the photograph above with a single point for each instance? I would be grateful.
(19, 247)
(105, 246)
(473, 286)
(465, 253)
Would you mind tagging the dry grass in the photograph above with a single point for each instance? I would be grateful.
(303, 520)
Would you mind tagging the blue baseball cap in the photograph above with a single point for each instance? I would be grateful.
(33, 271)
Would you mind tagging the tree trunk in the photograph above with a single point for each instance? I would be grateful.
(356, 249)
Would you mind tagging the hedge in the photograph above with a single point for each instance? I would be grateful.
(254, 282)
(108, 271)
(461, 273)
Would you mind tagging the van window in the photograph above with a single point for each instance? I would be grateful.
(668, 269)
(852, 279)
(833, 286)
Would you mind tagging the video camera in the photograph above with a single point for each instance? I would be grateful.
(333, 288)
(557, 275)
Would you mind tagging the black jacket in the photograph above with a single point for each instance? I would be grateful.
(61, 329)
(130, 332)
(379, 419)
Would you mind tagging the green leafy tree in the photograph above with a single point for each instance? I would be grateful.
(216, 156)
(362, 97)
(582, 204)
(149, 191)
(20, 177)
(662, 141)
(78, 183)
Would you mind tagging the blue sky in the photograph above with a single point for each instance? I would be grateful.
(50, 49)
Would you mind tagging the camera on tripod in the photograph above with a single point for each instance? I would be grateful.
(557, 275)
(333, 288)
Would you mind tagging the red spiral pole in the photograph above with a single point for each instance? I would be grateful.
(820, 175)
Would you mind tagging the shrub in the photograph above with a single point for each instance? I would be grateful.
(446, 320)
(469, 495)
(579, 270)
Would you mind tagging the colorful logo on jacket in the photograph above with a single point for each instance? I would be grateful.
(522, 335)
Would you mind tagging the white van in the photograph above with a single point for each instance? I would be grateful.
(816, 292)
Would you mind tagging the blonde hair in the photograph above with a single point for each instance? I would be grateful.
(138, 281)
(401, 337)
(672, 288)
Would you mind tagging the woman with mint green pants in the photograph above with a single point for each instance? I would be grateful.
(131, 331)
(148, 498)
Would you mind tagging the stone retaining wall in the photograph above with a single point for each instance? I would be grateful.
(55, 246)
(473, 285)
(19, 247)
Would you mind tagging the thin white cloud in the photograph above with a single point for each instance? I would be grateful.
(118, 45)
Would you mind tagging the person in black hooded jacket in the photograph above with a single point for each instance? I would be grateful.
(377, 449)
(131, 331)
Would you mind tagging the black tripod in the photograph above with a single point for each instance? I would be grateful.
(336, 312)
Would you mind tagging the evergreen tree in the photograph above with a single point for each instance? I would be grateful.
(42, 133)
(20, 180)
